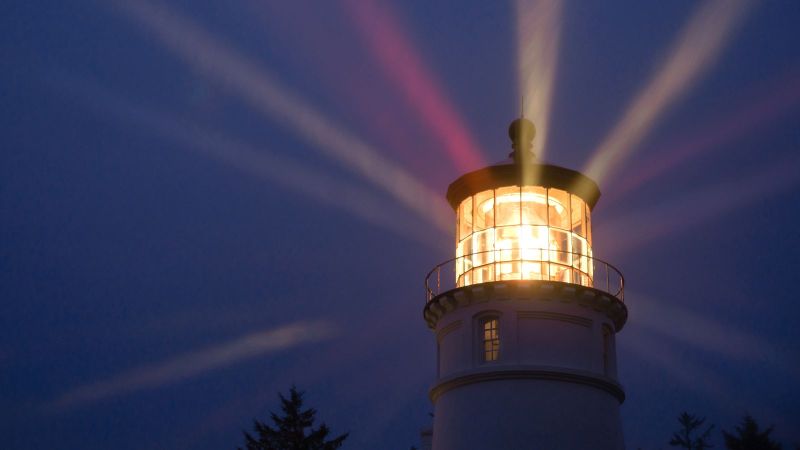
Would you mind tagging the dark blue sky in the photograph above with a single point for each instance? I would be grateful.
(160, 225)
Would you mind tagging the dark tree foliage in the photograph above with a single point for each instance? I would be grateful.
(294, 430)
(687, 437)
(749, 437)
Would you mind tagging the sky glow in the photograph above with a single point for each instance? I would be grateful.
(203, 203)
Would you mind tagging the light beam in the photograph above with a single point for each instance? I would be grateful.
(696, 49)
(261, 90)
(538, 34)
(196, 363)
(258, 162)
(766, 107)
(681, 324)
(672, 362)
(403, 65)
(697, 207)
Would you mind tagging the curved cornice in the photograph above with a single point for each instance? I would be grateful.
(527, 290)
(527, 373)
(545, 175)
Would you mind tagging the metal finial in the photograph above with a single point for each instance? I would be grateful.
(522, 132)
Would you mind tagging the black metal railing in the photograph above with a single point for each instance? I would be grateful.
(570, 267)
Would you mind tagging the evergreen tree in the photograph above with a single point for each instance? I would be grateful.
(749, 437)
(685, 437)
(294, 430)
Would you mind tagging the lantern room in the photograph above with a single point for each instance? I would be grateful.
(523, 233)
(522, 220)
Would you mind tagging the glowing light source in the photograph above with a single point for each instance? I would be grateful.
(528, 233)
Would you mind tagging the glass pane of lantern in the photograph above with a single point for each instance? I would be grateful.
(507, 203)
(578, 245)
(560, 272)
(579, 261)
(532, 242)
(588, 225)
(534, 205)
(560, 247)
(483, 274)
(467, 252)
(508, 270)
(578, 248)
(483, 217)
(579, 277)
(507, 243)
(577, 220)
(533, 270)
(459, 263)
(482, 247)
(466, 279)
(558, 208)
(465, 218)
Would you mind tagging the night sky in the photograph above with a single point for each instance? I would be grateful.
(202, 203)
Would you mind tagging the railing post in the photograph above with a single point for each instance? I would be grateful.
(608, 284)
(438, 281)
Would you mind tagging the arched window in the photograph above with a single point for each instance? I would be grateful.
(490, 339)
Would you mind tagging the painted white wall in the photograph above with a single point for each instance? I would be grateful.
(521, 413)
(527, 414)
(540, 333)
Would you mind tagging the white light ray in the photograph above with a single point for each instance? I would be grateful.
(538, 34)
(684, 325)
(648, 347)
(651, 349)
(261, 90)
(259, 162)
(694, 208)
(696, 50)
(196, 363)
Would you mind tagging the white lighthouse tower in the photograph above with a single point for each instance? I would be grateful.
(524, 316)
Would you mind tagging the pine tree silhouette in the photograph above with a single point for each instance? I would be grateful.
(685, 438)
(748, 437)
(294, 430)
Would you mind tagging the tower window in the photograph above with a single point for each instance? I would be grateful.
(607, 334)
(490, 339)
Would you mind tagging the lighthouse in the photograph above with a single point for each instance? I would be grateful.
(524, 316)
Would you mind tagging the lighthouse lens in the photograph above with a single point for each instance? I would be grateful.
(523, 233)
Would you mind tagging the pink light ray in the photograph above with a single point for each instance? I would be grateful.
(371, 100)
(403, 65)
(768, 106)
(674, 216)
(260, 89)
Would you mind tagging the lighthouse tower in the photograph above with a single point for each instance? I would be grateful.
(525, 316)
